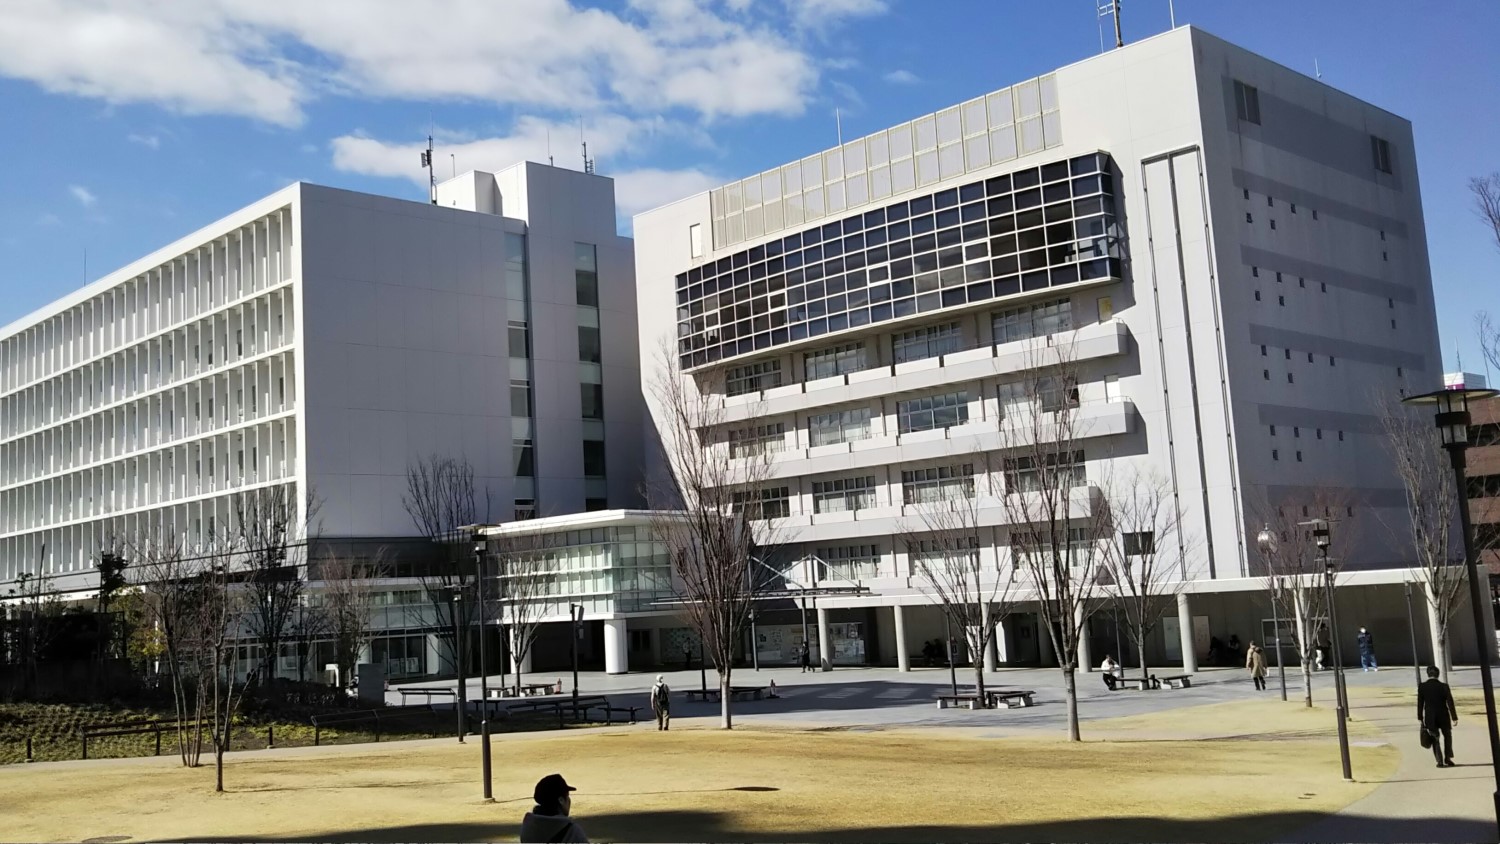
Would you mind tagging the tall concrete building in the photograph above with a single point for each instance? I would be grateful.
(1233, 253)
(323, 340)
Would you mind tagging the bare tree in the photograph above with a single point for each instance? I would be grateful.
(172, 595)
(440, 498)
(1486, 190)
(220, 614)
(1056, 523)
(727, 512)
(34, 612)
(1432, 512)
(944, 549)
(1293, 571)
(346, 600)
(1144, 565)
(268, 538)
(521, 597)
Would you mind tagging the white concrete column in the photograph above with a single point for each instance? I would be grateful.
(903, 661)
(825, 645)
(1434, 632)
(1185, 633)
(1085, 652)
(1002, 640)
(1044, 642)
(616, 646)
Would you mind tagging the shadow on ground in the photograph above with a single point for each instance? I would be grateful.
(709, 826)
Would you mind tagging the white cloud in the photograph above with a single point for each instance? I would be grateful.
(84, 196)
(810, 14)
(151, 141)
(901, 77)
(267, 59)
(636, 189)
(644, 189)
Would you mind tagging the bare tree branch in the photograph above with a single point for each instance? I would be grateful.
(1144, 553)
(440, 498)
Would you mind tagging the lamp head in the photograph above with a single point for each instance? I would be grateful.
(1266, 540)
(1452, 408)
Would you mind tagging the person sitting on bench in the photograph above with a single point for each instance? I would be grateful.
(1108, 668)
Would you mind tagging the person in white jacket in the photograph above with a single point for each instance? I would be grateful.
(548, 821)
(1109, 669)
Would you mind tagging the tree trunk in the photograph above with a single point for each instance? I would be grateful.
(979, 679)
(1140, 646)
(1070, 687)
(726, 718)
(219, 763)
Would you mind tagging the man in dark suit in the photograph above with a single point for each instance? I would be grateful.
(1437, 714)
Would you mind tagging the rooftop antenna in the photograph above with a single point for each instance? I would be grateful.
(838, 122)
(1115, 9)
(588, 163)
(1318, 71)
(1172, 13)
(431, 177)
(549, 147)
(453, 157)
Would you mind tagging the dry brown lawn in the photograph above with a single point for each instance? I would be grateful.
(699, 784)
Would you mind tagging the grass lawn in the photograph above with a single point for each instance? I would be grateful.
(1264, 771)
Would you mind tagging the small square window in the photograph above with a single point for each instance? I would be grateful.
(1320, 433)
(1390, 303)
(1262, 351)
(1380, 150)
(1287, 353)
(1247, 193)
(1270, 203)
(1294, 207)
(1341, 436)
(1246, 102)
(1257, 295)
(1399, 373)
(1385, 256)
(1275, 455)
(1393, 323)
(1324, 286)
(1248, 218)
(1273, 430)
(1281, 300)
(1265, 374)
(1332, 361)
(1315, 213)
(1309, 357)
(1255, 272)
(1289, 378)
(1273, 225)
(1299, 457)
(1297, 432)
(1278, 278)
(1382, 235)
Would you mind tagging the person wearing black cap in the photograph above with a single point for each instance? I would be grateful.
(548, 821)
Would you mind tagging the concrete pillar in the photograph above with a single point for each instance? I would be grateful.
(987, 632)
(1002, 641)
(1487, 610)
(825, 644)
(1085, 651)
(434, 663)
(1044, 642)
(616, 646)
(903, 661)
(1434, 633)
(1185, 633)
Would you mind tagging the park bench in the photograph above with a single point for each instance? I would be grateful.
(1136, 683)
(1177, 681)
(752, 692)
(609, 711)
(704, 694)
(967, 700)
(527, 690)
(1010, 698)
(427, 693)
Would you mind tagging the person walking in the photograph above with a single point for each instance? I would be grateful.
(1255, 663)
(661, 703)
(1367, 651)
(548, 822)
(1437, 715)
(805, 656)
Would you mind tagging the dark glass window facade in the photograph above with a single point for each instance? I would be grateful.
(1032, 229)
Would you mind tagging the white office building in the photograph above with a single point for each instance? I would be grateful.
(324, 340)
(1233, 253)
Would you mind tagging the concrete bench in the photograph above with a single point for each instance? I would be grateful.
(967, 700)
(1011, 699)
(752, 692)
(1178, 681)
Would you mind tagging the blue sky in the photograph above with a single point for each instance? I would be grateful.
(131, 123)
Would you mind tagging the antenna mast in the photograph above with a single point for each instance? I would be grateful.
(588, 163)
(431, 176)
(1111, 8)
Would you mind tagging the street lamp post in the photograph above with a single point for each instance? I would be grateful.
(1341, 705)
(754, 642)
(461, 697)
(484, 669)
(1411, 627)
(1266, 540)
(575, 612)
(948, 638)
(1453, 426)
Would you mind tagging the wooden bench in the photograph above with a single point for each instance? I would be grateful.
(967, 700)
(1177, 681)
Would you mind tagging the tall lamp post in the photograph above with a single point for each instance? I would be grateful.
(1322, 539)
(1411, 626)
(1266, 540)
(1453, 426)
(575, 612)
(480, 546)
(460, 697)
